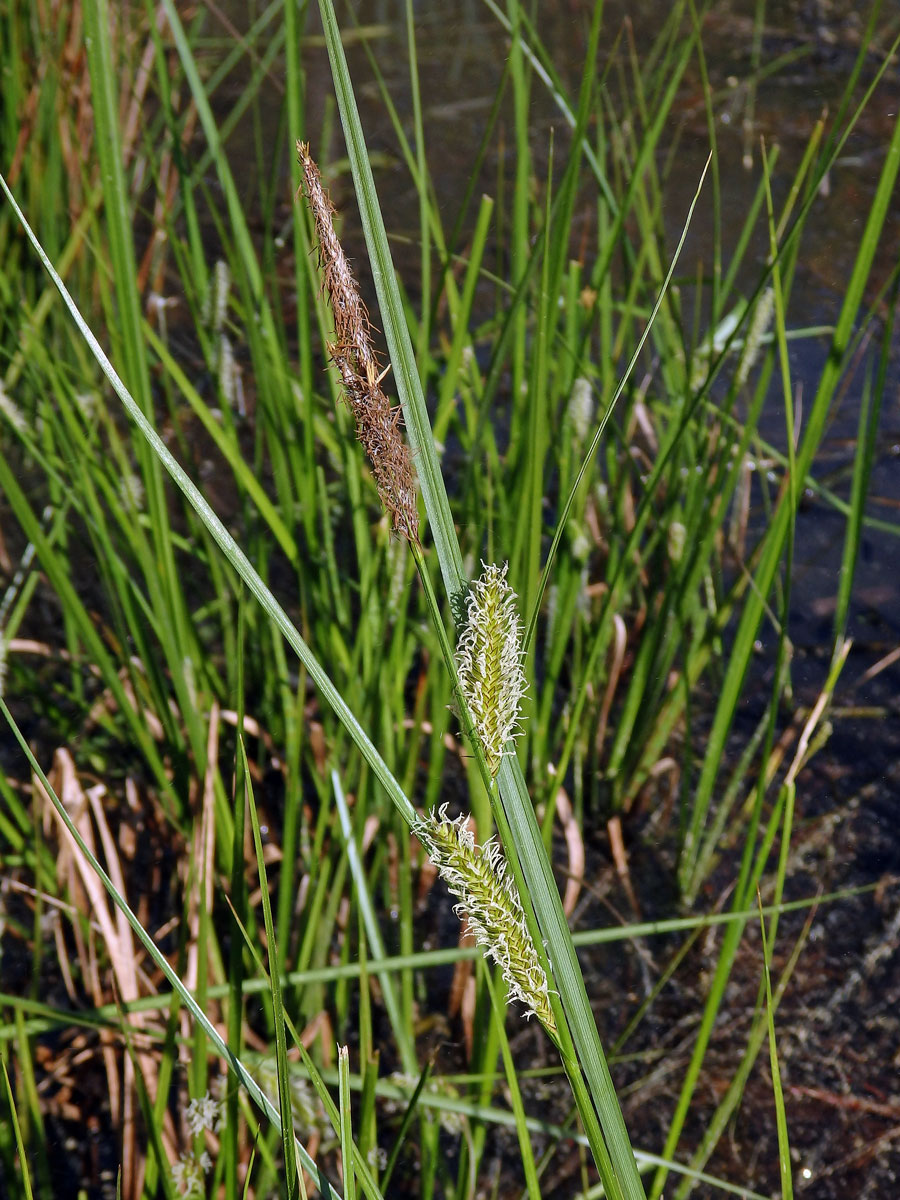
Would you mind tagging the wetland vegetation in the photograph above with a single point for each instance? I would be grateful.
(634, 618)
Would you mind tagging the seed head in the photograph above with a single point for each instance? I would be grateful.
(489, 661)
(487, 895)
(756, 331)
(352, 352)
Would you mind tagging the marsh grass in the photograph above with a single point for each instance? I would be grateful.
(255, 767)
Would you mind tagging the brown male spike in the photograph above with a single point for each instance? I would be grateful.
(352, 352)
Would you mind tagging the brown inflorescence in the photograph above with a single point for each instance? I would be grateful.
(352, 352)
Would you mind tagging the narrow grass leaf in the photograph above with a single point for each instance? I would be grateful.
(498, 1008)
(406, 1121)
(346, 1122)
(376, 943)
(288, 1141)
(784, 1147)
(17, 1131)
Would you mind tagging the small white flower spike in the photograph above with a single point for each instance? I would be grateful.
(489, 660)
(488, 897)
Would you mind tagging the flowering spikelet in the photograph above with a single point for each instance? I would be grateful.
(580, 410)
(489, 660)
(352, 352)
(759, 324)
(488, 897)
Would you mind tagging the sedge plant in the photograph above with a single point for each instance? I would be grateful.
(148, 664)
